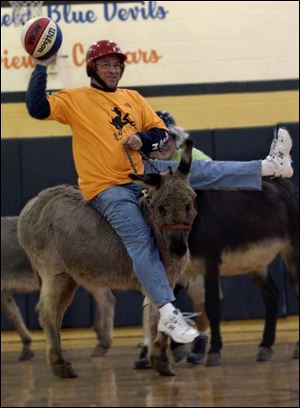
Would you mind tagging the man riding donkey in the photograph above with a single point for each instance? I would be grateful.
(111, 128)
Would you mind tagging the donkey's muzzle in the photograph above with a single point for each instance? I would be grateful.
(178, 245)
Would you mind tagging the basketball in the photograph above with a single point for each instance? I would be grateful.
(41, 37)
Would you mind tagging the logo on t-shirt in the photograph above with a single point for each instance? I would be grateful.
(119, 122)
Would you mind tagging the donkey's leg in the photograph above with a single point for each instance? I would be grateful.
(179, 350)
(213, 310)
(13, 315)
(143, 359)
(104, 318)
(266, 285)
(196, 291)
(56, 292)
(291, 259)
(159, 347)
(65, 299)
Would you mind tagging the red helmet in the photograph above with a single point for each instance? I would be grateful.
(101, 49)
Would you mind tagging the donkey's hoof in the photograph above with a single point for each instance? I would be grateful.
(195, 358)
(26, 355)
(214, 360)
(296, 352)
(63, 369)
(99, 351)
(142, 363)
(162, 367)
(264, 354)
(180, 352)
(197, 355)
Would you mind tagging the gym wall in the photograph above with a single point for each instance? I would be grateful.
(31, 164)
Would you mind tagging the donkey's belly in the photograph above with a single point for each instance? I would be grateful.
(253, 258)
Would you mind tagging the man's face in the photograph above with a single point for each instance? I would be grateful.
(167, 152)
(109, 69)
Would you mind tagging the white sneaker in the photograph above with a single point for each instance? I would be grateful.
(175, 326)
(279, 156)
(281, 142)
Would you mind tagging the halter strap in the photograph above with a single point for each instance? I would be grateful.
(145, 158)
(184, 227)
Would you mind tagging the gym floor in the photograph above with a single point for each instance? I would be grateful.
(111, 381)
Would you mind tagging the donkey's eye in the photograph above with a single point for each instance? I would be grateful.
(161, 210)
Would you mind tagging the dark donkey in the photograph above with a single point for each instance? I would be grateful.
(70, 244)
(240, 232)
(234, 233)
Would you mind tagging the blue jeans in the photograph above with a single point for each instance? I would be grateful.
(217, 175)
(119, 205)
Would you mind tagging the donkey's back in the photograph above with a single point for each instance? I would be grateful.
(60, 214)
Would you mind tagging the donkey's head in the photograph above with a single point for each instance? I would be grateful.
(171, 199)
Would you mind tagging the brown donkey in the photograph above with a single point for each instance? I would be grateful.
(17, 276)
(70, 244)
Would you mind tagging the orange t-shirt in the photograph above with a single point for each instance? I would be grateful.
(100, 123)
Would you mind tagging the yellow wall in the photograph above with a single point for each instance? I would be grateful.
(191, 112)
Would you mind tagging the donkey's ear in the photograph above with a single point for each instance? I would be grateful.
(147, 180)
(184, 166)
